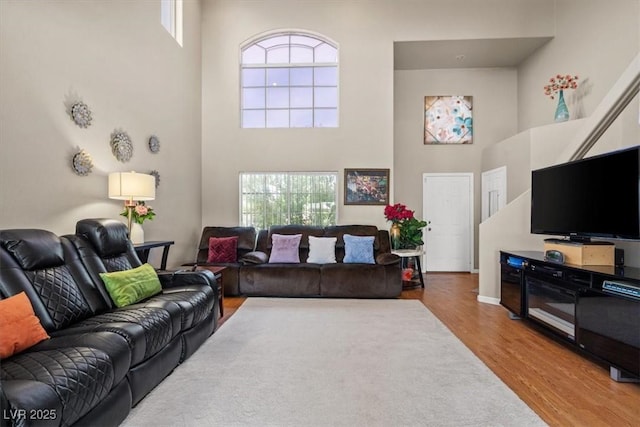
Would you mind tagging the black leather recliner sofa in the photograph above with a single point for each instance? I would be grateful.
(100, 360)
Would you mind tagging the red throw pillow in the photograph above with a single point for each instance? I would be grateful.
(223, 249)
(19, 326)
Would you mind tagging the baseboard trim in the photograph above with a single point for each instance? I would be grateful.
(488, 300)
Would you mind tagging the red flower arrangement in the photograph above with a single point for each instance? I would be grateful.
(397, 213)
(559, 83)
(410, 227)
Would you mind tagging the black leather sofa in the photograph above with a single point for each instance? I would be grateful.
(100, 360)
(253, 275)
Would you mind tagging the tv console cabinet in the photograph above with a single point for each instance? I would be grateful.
(594, 308)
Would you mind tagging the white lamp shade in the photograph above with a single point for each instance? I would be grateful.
(132, 186)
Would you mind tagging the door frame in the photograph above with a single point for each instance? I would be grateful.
(470, 177)
(500, 172)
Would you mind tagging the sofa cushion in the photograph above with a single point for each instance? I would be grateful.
(358, 249)
(322, 250)
(71, 380)
(284, 248)
(19, 326)
(130, 286)
(223, 249)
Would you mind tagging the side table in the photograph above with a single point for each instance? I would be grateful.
(143, 249)
(405, 254)
(217, 272)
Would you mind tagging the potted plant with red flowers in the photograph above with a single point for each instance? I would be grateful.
(406, 229)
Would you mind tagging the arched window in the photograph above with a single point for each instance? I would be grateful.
(289, 80)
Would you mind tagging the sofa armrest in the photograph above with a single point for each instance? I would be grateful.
(254, 257)
(178, 278)
(387, 259)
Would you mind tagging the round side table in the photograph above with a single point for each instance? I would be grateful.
(415, 254)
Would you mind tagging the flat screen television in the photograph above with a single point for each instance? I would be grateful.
(597, 196)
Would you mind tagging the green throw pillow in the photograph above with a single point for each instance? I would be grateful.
(130, 286)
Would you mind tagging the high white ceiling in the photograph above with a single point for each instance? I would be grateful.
(476, 53)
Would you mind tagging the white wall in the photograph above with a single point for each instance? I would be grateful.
(365, 32)
(117, 58)
(494, 92)
(596, 40)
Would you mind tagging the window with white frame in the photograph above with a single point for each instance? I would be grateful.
(171, 18)
(280, 198)
(289, 80)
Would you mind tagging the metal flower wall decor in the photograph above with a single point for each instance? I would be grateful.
(82, 163)
(154, 144)
(80, 114)
(156, 175)
(121, 146)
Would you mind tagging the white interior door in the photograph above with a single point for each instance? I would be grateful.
(494, 191)
(447, 201)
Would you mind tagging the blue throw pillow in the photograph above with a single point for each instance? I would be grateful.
(358, 249)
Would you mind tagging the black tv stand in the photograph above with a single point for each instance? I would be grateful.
(593, 309)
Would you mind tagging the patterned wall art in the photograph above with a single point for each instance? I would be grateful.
(366, 186)
(448, 120)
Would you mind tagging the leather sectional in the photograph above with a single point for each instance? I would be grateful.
(253, 275)
(100, 360)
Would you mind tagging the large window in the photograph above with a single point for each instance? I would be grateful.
(282, 198)
(289, 80)
(171, 18)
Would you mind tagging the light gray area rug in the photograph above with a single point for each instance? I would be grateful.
(332, 362)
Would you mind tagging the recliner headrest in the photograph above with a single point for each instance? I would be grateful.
(108, 237)
(33, 249)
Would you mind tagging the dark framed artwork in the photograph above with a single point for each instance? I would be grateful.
(366, 186)
(448, 120)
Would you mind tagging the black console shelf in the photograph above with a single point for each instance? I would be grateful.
(593, 308)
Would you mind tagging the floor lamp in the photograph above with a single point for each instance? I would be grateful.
(131, 187)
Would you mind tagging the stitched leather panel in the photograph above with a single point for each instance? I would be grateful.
(156, 323)
(80, 376)
(194, 306)
(118, 263)
(60, 295)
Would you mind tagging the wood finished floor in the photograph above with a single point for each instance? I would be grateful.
(561, 386)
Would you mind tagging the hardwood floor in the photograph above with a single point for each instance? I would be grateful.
(563, 387)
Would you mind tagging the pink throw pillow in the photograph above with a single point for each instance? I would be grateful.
(284, 248)
(223, 249)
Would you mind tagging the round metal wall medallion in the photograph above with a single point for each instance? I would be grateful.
(154, 144)
(121, 146)
(81, 114)
(82, 163)
(156, 174)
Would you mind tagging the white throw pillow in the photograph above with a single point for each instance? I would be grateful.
(322, 250)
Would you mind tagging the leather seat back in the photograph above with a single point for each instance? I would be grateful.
(47, 268)
(103, 245)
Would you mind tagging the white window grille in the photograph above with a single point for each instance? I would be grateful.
(280, 198)
(289, 80)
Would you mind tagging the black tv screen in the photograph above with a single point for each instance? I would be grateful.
(594, 197)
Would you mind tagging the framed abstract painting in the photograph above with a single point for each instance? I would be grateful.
(448, 120)
(366, 186)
